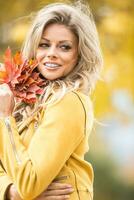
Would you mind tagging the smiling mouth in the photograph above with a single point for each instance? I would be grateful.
(52, 65)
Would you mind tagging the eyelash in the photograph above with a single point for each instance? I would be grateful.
(43, 45)
(64, 47)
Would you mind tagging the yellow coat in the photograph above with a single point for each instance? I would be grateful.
(53, 150)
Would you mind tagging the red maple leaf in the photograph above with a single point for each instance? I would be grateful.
(21, 76)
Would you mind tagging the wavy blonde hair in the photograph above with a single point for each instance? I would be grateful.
(78, 18)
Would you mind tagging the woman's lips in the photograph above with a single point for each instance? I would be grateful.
(51, 66)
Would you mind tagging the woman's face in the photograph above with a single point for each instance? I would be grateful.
(57, 53)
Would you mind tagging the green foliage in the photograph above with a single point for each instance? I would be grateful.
(107, 186)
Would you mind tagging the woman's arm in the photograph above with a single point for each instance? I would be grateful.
(60, 132)
(55, 191)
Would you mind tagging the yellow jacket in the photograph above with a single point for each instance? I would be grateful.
(53, 150)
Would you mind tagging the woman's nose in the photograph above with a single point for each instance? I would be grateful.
(52, 52)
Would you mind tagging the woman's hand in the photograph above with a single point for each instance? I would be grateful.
(2, 67)
(6, 101)
(55, 191)
(12, 193)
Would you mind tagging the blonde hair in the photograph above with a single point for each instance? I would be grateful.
(78, 18)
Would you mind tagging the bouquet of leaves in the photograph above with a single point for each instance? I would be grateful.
(22, 78)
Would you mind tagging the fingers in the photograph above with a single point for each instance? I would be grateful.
(5, 86)
(2, 67)
(6, 101)
(58, 192)
(63, 197)
(57, 185)
(5, 89)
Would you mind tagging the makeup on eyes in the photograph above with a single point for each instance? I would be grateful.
(61, 45)
(63, 42)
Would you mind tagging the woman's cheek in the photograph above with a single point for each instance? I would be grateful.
(40, 55)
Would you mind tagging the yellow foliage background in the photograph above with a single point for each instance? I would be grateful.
(112, 140)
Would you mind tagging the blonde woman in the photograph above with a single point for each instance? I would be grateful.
(48, 142)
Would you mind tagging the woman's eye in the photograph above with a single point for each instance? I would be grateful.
(65, 47)
(44, 45)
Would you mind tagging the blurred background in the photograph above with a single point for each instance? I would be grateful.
(112, 139)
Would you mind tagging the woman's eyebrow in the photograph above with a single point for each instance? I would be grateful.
(45, 39)
(61, 41)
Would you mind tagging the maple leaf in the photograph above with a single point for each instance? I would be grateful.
(22, 78)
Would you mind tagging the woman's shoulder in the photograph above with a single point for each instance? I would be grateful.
(83, 98)
(72, 108)
(73, 100)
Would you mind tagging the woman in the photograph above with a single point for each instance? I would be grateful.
(52, 145)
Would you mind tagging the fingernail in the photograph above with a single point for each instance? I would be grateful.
(67, 197)
(70, 186)
(71, 189)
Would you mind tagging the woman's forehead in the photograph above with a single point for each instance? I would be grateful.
(58, 31)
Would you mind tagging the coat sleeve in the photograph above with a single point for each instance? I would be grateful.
(32, 169)
(4, 183)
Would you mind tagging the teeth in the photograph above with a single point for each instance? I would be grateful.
(51, 65)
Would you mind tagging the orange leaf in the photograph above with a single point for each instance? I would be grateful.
(3, 77)
(20, 75)
(18, 58)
